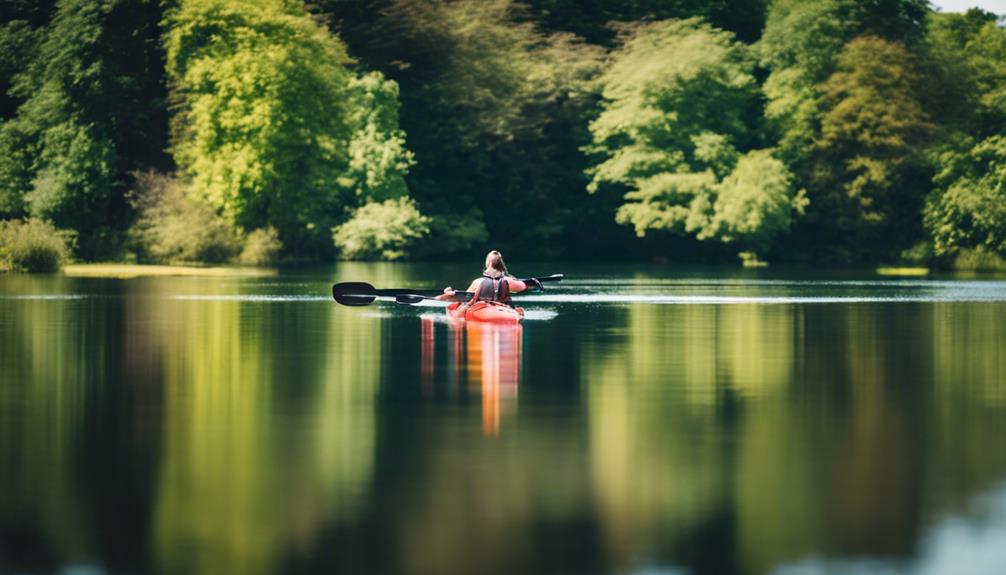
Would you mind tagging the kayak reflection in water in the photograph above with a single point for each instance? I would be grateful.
(490, 364)
(492, 292)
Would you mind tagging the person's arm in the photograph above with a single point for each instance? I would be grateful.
(515, 285)
(448, 294)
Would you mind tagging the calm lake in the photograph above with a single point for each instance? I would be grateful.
(643, 420)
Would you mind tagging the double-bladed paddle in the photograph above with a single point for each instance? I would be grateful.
(361, 293)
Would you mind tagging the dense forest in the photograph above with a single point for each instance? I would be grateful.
(255, 131)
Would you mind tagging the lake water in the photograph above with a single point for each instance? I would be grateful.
(643, 420)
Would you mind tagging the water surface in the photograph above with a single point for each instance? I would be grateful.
(642, 420)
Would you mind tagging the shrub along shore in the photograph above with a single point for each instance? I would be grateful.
(260, 131)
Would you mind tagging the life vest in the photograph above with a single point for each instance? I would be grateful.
(493, 289)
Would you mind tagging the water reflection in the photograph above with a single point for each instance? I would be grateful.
(488, 355)
(209, 425)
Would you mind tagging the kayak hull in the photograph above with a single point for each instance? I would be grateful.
(486, 312)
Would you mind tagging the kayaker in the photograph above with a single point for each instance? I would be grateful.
(496, 284)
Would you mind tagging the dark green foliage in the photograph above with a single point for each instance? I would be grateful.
(495, 113)
(93, 111)
(843, 99)
(596, 20)
(33, 245)
(869, 175)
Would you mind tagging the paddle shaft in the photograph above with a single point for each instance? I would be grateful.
(361, 293)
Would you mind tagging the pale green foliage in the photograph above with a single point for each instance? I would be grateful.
(965, 62)
(673, 101)
(978, 259)
(174, 226)
(756, 201)
(381, 230)
(677, 202)
(871, 123)
(968, 210)
(33, 245)
(261, 247)
(264, 132)
(674, 96)
(671, 83)
(378, 159)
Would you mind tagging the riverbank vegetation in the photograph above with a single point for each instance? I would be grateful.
(257, 131)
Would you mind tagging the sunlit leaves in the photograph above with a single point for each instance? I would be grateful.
(264, 131)
(381, 230)
(274, 129)
(969, 208)
(670, 130)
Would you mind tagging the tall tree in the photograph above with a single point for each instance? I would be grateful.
(870, 173)
(93, 111)
(801, 49)
(672, 137)
(273, 128)
(966, 89)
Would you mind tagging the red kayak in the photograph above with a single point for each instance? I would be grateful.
(486, 312)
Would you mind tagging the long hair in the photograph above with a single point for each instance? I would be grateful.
(495, 268)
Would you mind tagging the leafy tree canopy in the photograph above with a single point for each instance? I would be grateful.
(968, 209)
(871, 130)
(671, 131)
(274, 129)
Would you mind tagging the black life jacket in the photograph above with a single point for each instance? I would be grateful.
(493, 289)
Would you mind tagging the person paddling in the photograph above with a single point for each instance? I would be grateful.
(495, 285)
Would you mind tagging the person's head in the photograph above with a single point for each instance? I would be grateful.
(494, 264)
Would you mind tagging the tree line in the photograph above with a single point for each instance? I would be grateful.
(839, 131)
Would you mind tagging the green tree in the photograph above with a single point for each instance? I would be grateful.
(801, 49)
(274, 130)
(964, 65)
(870, 173)
(756, 203)
(93, 111)
(381, 230)
(671, 136)
(968, 208)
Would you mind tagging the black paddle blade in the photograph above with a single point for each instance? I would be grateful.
(410, 299)
(354, 293)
